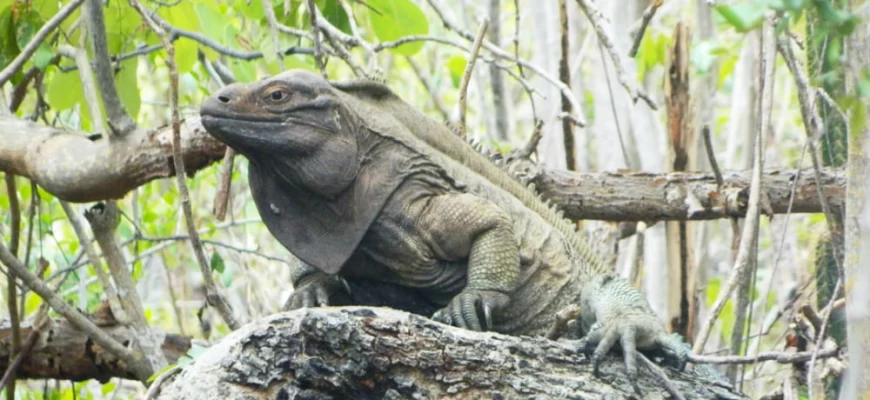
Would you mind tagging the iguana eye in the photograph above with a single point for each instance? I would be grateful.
(277, 95)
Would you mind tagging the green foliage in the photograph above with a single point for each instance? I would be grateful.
(395, 19)
(456, 65)
(217, 263)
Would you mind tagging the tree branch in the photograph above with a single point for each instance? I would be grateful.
(354, 352)
(16, 64)
(120, 121)
(64, 352)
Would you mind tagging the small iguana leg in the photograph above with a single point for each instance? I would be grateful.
(620, 312)
(464, 226)
(312, 288)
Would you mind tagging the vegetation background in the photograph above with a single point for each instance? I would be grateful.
(547, 61)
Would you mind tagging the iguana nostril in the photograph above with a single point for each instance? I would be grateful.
(223, 99)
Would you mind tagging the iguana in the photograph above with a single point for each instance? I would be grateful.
(362, 187)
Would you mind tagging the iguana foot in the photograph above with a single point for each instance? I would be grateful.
(314, 291)
(639, 331)
(462, 311)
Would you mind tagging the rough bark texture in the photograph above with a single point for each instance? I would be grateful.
(641, 196)
(360, 353)
(62, 352)
(81, 170)
(74, 168)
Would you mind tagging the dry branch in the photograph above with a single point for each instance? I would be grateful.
(82, 171)
(355, 352)
(62, 351)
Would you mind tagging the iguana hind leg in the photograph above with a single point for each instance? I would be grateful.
(615, 312)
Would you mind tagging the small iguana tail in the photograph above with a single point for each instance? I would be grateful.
(439, 137)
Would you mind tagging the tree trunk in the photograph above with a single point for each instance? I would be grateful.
(361, 353)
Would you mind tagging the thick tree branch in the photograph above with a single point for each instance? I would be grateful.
(76, 169)
(82, 171)
(64, 352)
(355, 352)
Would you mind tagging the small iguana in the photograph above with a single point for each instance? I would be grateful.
(362, 187)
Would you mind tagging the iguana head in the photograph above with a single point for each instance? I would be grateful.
(318, 175)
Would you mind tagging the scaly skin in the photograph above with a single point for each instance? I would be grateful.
(364, 188)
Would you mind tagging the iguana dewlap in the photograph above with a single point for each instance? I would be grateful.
(359, 185)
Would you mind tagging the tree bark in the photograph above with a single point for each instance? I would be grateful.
(65, 353)
(359, 353)
(74, 168)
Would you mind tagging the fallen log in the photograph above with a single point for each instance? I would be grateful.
(363, 353)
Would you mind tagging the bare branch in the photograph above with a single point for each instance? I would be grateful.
(466, 76)
(711, 156)
(16, 64)
(645, 19)
(140, 368)
(273, 31)
(120, 122)
(750, 227)
(213, 295)
(315, 33)
(779, 357)
(596, 18)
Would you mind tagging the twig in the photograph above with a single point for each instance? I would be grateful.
(658, 373)
(11, 284)
(24, 351)
(273, 31)
(89, 87)
(38, 38)
(565, 77)
(750, 227)
(813, 124)
(612, 96)
(222, 197)
(779, 357)
(213, 296)
(104, 220)
(560, 323)
(119, 120)
(469, 69)
(433, 92)
(711, 156)
(820, 335)
(318, 46)
(75, 317)
(497, 52)
(517, 36)
(157, 385)
(596, 18)
(647, 17)
(88, 246)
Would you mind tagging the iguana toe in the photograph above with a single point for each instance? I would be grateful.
(464, 310)
(314, 291)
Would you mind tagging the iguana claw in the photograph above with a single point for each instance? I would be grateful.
(314, 291)
(462, 311)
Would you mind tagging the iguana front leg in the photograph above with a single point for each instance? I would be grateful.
(614, 311)
(464, 226)
(312, 288)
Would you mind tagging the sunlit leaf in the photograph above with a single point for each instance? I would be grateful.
(395, 19)
(64, 90)
(743, 16)
(456, 66)
(128, 85)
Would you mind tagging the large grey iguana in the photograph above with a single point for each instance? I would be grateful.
(359, 185)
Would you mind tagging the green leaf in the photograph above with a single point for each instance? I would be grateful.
(395, 19)
(64, 90)
(744, 16)
(456, 65)
(128, 86)
(217, 263)
(42, 57)
(213, 25)
(335, 14)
